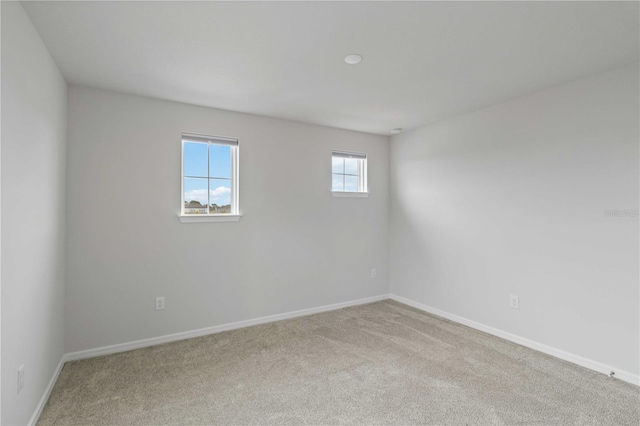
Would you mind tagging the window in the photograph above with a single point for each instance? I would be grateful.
(209, 178)
(348, 174)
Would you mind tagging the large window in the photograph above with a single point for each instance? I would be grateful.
(348, 173)
(209, 176)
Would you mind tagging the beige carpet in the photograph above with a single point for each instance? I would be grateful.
(382, 363)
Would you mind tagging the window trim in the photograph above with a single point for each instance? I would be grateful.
(362, 175)
(345, 194)
(200, 218)
(235, 215)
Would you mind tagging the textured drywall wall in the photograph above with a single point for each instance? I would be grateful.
(536, 197)
(295, 247)
(34, 121)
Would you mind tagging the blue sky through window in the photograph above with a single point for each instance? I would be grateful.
(202, 163)
(195, 159)
(345, 174)
(220, 161)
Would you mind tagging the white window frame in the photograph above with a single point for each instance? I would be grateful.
(235, 160)
(363, 190)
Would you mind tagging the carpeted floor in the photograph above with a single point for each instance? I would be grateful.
(382, 363)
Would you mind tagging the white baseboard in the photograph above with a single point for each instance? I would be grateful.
(122, 347)
(558, 353)
(47, 392)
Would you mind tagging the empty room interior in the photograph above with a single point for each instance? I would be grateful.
(320, 213)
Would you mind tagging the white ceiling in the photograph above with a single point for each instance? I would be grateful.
(423, 62)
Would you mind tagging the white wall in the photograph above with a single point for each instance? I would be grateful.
(33, 179)
(511, 200)
(295, 247)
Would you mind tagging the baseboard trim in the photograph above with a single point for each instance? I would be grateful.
(549, 350)
(47, 393)
(123, 347)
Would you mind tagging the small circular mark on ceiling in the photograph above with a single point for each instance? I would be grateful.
(353, 59)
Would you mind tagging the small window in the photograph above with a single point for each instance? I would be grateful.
(209, 176)
(348, 173)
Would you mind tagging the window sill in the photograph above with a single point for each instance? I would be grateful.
(200, 218)
(350, 194)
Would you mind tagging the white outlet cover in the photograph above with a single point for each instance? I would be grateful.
(20, 378)
(159, 303)
(514, 301)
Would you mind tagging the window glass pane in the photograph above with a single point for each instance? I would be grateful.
(351, 183)
(220, 196)
(351, 166)
(195, 159)
(220, 161)
(337, 183)
(337, 165)
(195, 196)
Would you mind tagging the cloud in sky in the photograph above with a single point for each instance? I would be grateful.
(220, 196)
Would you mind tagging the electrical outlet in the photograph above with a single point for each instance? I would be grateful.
(514, 302)
(20, 378)
(159, 303)
(374, 273)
